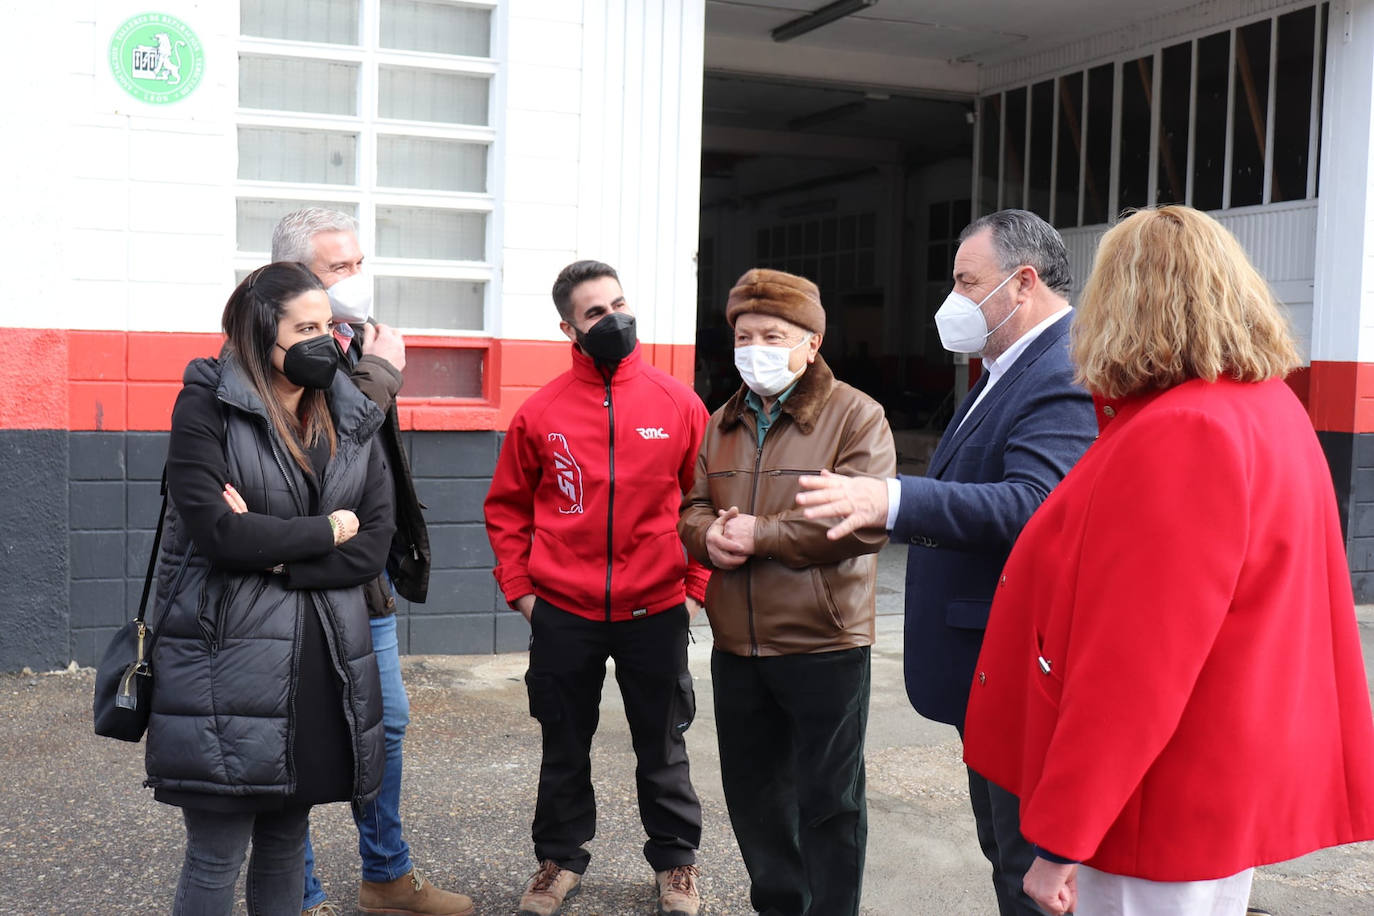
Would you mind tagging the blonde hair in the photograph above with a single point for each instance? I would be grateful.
(1173, 297)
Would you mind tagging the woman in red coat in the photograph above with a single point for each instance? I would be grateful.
(1171, 679)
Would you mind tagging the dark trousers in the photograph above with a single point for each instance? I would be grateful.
(791, 731)
(997, 814)
(216, 843)
(567, 668)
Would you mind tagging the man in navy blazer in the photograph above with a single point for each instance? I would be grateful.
(1016, 434)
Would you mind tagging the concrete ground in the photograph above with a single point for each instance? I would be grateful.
(79, 835)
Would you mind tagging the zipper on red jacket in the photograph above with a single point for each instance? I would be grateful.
(610, 496)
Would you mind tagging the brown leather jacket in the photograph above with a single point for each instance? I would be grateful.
(800, 592)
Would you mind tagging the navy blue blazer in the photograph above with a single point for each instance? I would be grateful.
(961, 519)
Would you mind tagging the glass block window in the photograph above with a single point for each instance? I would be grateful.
(298, 84)
(1223, 120)
(436, 25)
(298, 156)
(430, 233)
(430, 302)
(380, 109)
(410, 94)
(326, 21)
(432, 164)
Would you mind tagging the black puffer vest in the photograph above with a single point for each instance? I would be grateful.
(228, 642)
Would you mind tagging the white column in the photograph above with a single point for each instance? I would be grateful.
(1343, 315)
(604, 120)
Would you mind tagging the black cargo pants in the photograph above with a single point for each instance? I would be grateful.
(568, 657)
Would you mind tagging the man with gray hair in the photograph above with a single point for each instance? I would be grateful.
(1016, 434)
(374, 356)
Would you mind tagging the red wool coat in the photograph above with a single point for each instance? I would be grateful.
(1171, 679)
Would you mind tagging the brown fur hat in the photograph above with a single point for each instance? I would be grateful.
(782, 295)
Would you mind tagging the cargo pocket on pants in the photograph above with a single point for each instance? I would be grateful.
(546, 705)
(684, 703)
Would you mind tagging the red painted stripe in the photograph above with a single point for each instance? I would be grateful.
(33, 379)
(1341, 396)
(116, 380)
(113, 380)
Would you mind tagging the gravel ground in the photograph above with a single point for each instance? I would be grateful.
(81, 836)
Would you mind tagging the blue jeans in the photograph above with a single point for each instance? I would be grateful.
(215, 846)
(385, 854)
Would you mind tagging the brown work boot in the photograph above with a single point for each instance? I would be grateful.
(321, 909)
(547, 889)
(411, 895)
(677, 891)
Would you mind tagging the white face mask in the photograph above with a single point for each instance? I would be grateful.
(765, 369)
(963, 327)
(351, 298)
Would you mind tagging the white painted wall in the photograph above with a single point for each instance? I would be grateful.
(1343, 325)
(603, 157)
(119, 214)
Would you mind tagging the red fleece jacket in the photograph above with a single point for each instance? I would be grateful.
(583, 505)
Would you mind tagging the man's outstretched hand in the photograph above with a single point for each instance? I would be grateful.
(854, 502)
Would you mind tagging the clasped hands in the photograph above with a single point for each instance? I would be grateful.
(730, 538)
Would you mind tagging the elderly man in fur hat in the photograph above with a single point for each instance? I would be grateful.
(791, 610)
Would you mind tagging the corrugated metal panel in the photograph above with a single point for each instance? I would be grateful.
(1280, 240)
(640, 162)
(1204, 17)
(1082, 246)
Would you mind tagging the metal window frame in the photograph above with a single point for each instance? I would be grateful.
(1314, 110)
(1001, 150)
(1054, 147)
(1230, 119)
(1156, 111)
(1192, 123)
(1082, 149)
(1267, 192)
(1156, 50)
(1114, 184)
(365, 193)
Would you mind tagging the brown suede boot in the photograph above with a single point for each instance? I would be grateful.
(411, 895)
(547, 889)
(677, 891)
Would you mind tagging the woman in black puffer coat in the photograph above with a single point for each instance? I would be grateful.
(266, 699)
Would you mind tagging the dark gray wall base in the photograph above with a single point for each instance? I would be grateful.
(1351, 457)
(84, 506)
(35, 616)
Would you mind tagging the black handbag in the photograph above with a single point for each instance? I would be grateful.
(124, 680)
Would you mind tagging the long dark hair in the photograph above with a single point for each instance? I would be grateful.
(250, 326)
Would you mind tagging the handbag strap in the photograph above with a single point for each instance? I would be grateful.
(152, 557)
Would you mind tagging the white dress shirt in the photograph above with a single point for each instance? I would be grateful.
(994, 369)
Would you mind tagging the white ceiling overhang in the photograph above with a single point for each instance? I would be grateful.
(950, 48)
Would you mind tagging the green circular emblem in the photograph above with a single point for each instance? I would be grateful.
(156, 58)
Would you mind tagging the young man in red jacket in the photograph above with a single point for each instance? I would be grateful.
(582, 516)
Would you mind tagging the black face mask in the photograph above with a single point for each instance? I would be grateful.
(312, 363)
(609, 340)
